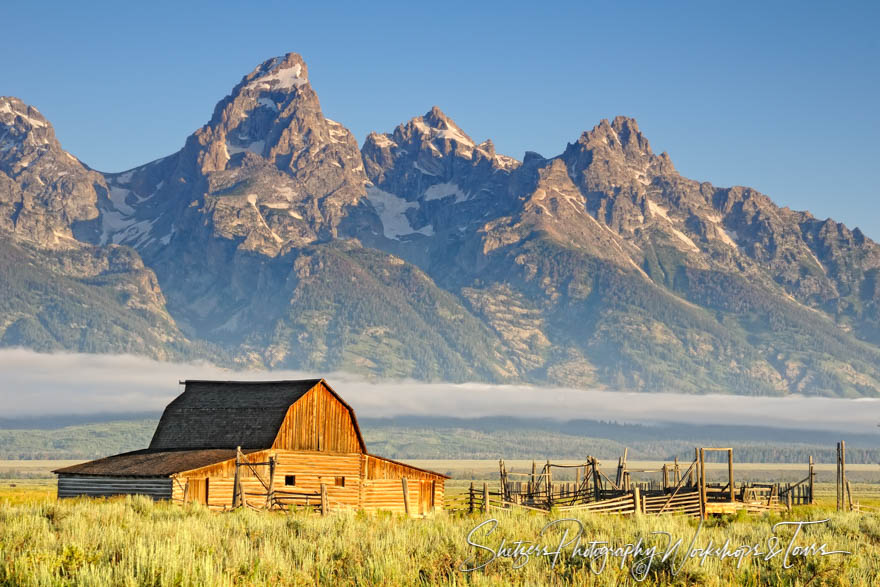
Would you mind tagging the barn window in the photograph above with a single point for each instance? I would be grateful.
(340, 482)
(290, 479)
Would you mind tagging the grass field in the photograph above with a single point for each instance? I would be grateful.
(133, 541)
(31, 469)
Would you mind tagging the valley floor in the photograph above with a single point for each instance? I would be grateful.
(133, 541)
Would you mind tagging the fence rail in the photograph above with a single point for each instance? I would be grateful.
(682, 488)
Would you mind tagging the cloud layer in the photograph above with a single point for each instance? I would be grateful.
(66, 383)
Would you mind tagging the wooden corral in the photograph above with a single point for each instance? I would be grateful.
(681, 490)
(261, 445)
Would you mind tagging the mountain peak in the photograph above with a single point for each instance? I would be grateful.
(12, 106)
(43, 188)
(436, 125)
(436, 117)
(284, 72)
(25, 126)
(621, 134)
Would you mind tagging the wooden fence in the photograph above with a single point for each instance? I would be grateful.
(482, 499)
(679, 489)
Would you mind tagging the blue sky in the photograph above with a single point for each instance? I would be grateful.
(780, 96)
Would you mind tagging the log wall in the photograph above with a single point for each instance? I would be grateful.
(345, 476)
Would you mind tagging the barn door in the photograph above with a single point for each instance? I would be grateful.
(197, 490)
(426, 497)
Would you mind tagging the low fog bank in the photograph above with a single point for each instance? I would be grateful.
(37, 384)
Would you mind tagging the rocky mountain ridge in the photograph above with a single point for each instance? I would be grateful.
(270, 238)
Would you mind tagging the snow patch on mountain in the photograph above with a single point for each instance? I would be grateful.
(392, 212)
(662, 212)
(449, 133)
(722, 234)
(423, 170)
(338, 133)
(118, 196)
(444, 190)
(280, 79)
(382, 140)
(254, 147)
(266, 102)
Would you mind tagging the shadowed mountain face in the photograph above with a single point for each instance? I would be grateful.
(270, 238)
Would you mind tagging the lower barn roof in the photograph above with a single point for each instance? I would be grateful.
(153, 463)
(150, 463)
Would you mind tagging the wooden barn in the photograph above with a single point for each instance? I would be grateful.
(259, 444)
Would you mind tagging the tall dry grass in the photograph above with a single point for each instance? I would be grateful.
(133, 541)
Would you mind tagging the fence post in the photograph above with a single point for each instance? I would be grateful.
(270, 491)
(236, 482)
(637, 499)
(471, 499)
(730, 473)
(812, 475)
(837, 476)
(702, 457)
(405, 495)
(324, 499)
(485, 497)
(503, 480)
(532, 481)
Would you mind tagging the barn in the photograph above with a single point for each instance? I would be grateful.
(259, 444)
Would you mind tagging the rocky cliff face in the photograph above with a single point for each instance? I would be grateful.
(432, 186)
(43, 189)
(427, 254)
(604, 266)
(268, 171)
(59, 292)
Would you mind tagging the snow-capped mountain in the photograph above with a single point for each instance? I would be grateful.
(271, 238)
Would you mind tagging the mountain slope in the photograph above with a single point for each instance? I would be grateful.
(248, 230)
(270, 238)
(604, 266)
(56, 292)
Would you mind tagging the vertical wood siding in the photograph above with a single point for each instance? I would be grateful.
(318, 421)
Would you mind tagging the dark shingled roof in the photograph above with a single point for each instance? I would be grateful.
(227, 414)
(147, 463)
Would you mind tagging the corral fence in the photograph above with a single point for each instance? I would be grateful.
(680, 488)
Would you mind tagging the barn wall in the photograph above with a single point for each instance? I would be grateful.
(310, 470)
(379, 468)
(369, 482)
(318, 421)
(94, 486)
(439, 494)
(425, 495)
(385, 494)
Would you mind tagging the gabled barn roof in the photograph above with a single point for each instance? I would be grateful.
(227, 414)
